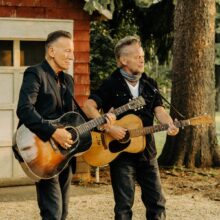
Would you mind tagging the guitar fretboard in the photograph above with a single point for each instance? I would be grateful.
(88, 126)
(156, 128)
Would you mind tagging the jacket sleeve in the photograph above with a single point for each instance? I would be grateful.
(26, 110)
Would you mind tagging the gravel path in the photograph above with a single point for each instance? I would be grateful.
(95, 202)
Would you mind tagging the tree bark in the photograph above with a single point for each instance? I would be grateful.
(193, 85)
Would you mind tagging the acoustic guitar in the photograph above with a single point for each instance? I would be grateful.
(105, 149)
(44, 160)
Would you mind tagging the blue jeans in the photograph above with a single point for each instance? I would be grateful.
(53, 195)
(124, 174)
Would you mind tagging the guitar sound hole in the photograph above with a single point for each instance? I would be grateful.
(74, 134)
(117, 146)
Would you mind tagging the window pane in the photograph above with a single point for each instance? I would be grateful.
(6, 53)
(32, 52)
(6, 88)
(6, 126)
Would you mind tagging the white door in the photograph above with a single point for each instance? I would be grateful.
(21, 45)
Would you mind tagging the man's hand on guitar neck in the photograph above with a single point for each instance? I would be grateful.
(164, 118)
(172, 130)
(110, 120)
(63, 138)
(90, 108)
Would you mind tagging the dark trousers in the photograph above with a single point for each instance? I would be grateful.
(53, 196)
(124, 174)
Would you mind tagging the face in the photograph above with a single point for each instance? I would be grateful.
(61, 52)
(132, 59)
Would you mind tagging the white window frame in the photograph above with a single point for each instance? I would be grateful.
(24, 29)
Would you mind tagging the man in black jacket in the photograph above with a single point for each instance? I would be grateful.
(46, 93)
(128, 81)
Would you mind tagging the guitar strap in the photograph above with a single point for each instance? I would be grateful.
(79, 108)
(156, 91)
(77, 105)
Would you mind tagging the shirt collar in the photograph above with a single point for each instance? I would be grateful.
(46, 66)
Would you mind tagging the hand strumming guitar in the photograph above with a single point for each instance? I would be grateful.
(63, 137)
(117, 132)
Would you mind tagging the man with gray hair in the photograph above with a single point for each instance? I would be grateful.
(129, 81)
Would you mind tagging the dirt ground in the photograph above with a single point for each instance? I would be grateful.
(190, 194)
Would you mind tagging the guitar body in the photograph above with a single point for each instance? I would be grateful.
(104, 148)
(44, 160)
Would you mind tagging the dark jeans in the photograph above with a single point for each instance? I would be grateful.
(53, 196)
(124, 174)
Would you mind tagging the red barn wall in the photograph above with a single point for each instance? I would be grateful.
(62, 9)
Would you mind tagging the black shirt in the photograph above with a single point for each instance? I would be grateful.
(40, 99)
(114, 92)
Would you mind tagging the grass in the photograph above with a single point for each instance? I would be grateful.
(160, 137)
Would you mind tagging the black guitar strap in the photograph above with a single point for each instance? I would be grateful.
(155, 90)
(79, 109)
(77, 105)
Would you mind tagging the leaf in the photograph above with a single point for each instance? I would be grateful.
(146, 3)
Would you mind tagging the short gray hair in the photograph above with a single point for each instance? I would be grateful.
(126, 41)
(53, 36)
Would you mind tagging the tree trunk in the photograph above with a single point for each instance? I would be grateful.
(193, 85)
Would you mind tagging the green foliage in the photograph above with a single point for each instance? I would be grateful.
(154, 24)
(103, 40)
(146, 3)
(101, 54)
(162, 74)
(156, 28)
(99, 5)
(92, 6)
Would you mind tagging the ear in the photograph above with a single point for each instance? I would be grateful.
(123, 60)
(51, 51)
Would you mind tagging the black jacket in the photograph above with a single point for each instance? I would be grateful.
(114, 92)
(40, 99)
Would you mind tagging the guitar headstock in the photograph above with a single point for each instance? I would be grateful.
(136, 103)
(201, 119)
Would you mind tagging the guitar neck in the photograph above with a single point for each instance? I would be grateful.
(157, 128)
(88, 126)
